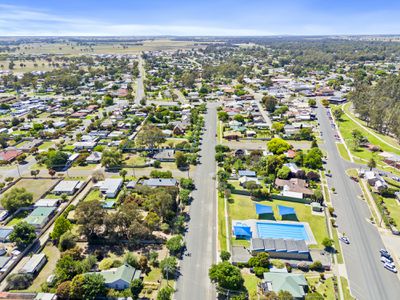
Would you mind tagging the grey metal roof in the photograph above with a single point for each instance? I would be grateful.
(257, 244)
(280, 245)
(269, 244)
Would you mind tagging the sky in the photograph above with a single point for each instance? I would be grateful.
(198, 18)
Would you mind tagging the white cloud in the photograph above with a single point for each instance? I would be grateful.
(22, 21)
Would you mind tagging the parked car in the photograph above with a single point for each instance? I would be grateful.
(385, 253)
(390, 267)
(344, 239)
(386, 260)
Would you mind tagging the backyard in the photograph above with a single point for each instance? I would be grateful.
(36, 186)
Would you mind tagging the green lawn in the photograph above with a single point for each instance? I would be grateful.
(337, 246)
(346, 126)
(221, 224)
(134, 160)
(18, 218)
(250, 282)
(241, 207)
(94, 195)
(325, 288)
(394, 208)
(35, 186)
(53, 255)
(153, 275)
(346, 289)
(386, 138)
(343, 152)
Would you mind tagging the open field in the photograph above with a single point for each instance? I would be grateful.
(35, 186)
(106, 48)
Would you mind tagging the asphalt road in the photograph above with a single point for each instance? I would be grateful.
(140, 85)
(194, 283)
(368, 278)
(258, 97)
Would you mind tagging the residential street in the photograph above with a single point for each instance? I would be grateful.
(201, 236)
(140, 85)
(368, 278)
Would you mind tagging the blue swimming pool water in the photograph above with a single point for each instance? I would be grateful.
(282, 231)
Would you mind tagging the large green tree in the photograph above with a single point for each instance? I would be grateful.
(23, 234)
(226, 276)
(16, 198)
(150, 136)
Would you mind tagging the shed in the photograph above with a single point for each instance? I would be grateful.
(34, 264)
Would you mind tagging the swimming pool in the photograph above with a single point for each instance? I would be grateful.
(282, 231)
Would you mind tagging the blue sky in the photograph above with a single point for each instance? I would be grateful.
(203, 17)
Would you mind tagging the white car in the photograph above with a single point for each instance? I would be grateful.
(390, 267)
(345, 239)
(386, 260)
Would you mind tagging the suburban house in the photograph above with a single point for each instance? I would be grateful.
(34, 264)
(160, 182)
(68, 187)
(47, 202)
(9, 155)
(281, 248)
(296, 185)
(40, 216)
(167, 155)
(5, 233)
(119, 278)
(110, 186)
(84, 145)
(294, 169)
(337, 100)
(376, 181)
(247, 173)
(295, 284)
(94, 157)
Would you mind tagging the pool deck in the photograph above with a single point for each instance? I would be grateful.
(252, 223)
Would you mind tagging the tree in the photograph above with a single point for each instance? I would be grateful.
(312, 102)
(67, 241)
(21, 158)
(52, 172)
(169, 266)
(19, 281)
(371, 164)
(123, 173)
(35, 173)
(284, 172)
(23, 234)
(111, 159)
(278, 146)
(165, 293)
(325, 102)
(150, 136)
(56, 159)
(16, 198)
(88, 286)
(180, 160)
(269, 102)
(260, 260)
(136, 287)
(97, 176)
(278, 127)
(338, 113)
(61, 226)
(226, 276)
(327, 242)
(131, 259)
(63, 290)
(313, 159)
(90, 215)
(284, 295)
(175, 245)
(225, 255)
